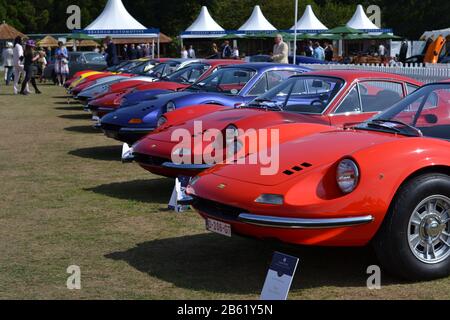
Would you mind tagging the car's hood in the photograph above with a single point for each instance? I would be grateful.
(244, 119)
(307, 153)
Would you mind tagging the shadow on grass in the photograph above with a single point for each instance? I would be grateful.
(83, 129)
(69, 108)
(68, 103)
(61, 97)
(238, 265)
(104, 153)
(81, 116)
(147, 191)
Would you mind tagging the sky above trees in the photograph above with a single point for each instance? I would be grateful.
(408, 18)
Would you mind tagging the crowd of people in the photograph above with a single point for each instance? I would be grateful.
(24, 63)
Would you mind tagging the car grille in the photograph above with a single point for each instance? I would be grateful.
(110, 127)
(216, 209)
(149, 160)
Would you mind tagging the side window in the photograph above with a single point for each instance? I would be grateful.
(351, 102)
(276, 77)
(410, 88)
(377, 96)
(260, 87)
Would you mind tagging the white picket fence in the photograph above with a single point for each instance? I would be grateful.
(426, 73)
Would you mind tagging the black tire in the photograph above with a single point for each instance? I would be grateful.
(391, 242)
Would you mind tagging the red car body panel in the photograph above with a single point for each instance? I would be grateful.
(239, 185)
(246, 118)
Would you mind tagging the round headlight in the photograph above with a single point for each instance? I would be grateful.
(161, 121)
(170, 106)
(231, 133)
(347, 175)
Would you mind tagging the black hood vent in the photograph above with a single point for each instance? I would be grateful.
(298, 168)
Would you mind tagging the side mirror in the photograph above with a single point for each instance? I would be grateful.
(431, 118)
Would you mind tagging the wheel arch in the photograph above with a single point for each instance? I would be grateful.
(442, 169)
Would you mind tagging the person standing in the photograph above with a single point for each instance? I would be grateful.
(319, 53)
(214, 54)
(191, 52)
(184, 53)
(147, 50)
(280, 50)
(61, 63)
(42, 64)
(226, 51)
(8, 62)
(235, 54)
(329, 52)
(111, 52)
(18, 63)
(309, 49)
(29, 58)
(382, 52)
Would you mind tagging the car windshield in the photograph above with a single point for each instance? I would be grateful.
(130, 66)
(95, 58)
(145, 67)
(163, 69)
(425, 112)
(189, 74)
(302, 94)
(227, 80)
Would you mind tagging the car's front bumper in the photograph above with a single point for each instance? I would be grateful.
(298, 223)
(322, 231)
(127, 135)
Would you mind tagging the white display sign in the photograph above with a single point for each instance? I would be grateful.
(279, 277)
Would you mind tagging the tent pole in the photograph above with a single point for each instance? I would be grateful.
(295, 32)
(159, 49)
(153, 48)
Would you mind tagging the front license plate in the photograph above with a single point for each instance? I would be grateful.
(218, 227)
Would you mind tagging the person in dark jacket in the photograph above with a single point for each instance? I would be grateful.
(30, 56)
(226, 51)
(132, 52)
(111, 52)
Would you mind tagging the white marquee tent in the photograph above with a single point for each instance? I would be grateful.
(309, 22)
(204, 27)
(360, 20)
(436, 33)
(116, 21)
(257, 22)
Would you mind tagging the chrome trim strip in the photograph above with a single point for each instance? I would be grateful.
(136, 129)
(298, 223)
(171, 165)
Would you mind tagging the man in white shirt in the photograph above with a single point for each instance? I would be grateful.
(280, 50)
(191, 52)
(18, 64)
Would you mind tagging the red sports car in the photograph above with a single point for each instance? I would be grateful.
(176, 81)
(385, 181)
(327, 98)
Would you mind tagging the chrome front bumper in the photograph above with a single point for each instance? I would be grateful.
(171, 165)
(297, 223)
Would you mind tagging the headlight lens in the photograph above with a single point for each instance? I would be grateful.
(231, 133)
(347, 175)
(275, 199)
(161, 121)
(170, 106)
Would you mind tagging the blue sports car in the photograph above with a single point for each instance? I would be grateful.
(230, 86)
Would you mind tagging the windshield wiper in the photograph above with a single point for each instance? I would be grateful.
(274, 104)
(382, 123)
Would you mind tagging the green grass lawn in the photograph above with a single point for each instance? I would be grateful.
(66, 199)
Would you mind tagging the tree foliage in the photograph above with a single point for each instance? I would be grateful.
(408, 18)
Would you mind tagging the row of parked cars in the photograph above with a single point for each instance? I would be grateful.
(356, 157)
